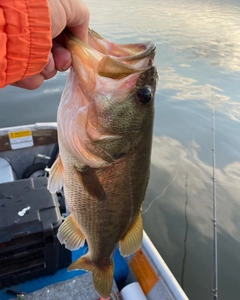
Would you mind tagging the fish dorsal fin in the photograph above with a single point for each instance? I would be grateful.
(112, 68)
(55, 180)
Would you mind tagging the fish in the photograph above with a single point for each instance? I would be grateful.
(105, 127)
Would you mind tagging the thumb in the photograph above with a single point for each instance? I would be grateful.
(77, 19)
(81, 31)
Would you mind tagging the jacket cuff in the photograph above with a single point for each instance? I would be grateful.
(26, 39)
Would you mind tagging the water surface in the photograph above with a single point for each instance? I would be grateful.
(198, 60)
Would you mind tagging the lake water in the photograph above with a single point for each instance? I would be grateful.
(198, 60)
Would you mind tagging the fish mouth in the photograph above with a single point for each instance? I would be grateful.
(112, 60)
(122, 52)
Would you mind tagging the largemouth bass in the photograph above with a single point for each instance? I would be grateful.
(105, 123)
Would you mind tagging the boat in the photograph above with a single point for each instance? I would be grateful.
(33, 265)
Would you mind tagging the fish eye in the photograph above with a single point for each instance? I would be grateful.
(144, 95)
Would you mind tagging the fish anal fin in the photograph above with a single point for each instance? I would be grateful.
(89, 180)
(132, 240)
(102, 275)
(70, 234)
(55, 180)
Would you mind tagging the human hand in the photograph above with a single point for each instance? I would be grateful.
(72, 14)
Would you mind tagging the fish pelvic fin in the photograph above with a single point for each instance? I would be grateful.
(70, 234)
(102, 276)
(55, 180)
(89, 179)
(132, 240)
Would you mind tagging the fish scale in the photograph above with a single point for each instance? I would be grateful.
(105, 123)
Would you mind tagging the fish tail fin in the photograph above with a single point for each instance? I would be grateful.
(103, 280)
(102, 276)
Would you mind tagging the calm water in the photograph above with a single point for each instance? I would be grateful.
(198, 59)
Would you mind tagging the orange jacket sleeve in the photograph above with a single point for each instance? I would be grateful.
(25, 38)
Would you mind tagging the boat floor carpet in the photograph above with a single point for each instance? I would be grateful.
(78, 288)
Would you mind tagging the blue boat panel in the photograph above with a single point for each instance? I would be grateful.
(120, 274)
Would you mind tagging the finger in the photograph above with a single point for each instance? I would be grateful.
(49, 70)
(62, 57)
(30, 83)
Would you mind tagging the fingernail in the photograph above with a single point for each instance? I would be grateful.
(66, 65)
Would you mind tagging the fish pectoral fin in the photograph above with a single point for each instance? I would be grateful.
(102, 276)
(112, 68)
(89, 180)
(55, 180)
(132, 240)
(70, 234)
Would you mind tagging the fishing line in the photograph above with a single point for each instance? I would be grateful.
(186, 233)
(215, 250)
(163, 192)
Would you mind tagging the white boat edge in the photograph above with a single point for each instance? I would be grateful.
(169, 281)
(36, 126)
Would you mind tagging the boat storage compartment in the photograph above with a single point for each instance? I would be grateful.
(29, 221)
(6, 171)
